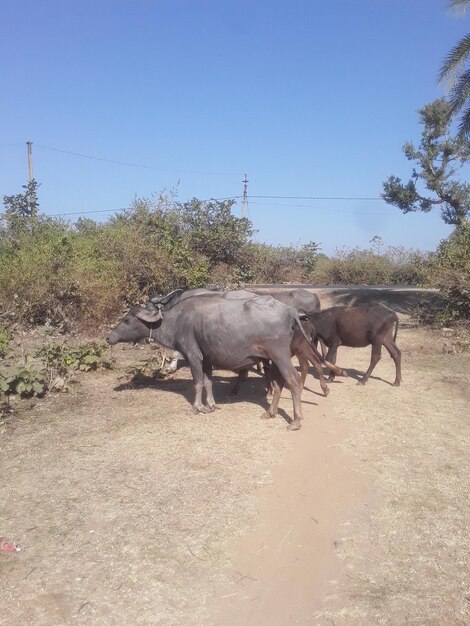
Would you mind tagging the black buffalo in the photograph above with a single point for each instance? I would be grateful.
(357, 327)
(300, 347)
(228, 331)
(301, 299)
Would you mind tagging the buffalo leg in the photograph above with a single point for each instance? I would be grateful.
(396, 356)
(198, 378)
(285, 372)
(374, 359)
(210, 402)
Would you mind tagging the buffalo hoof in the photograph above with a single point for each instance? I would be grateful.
(201, 409)
(361, 382)
(206, 409)
(326, 391)
(396, 383)
(267, 415)
(295, 425)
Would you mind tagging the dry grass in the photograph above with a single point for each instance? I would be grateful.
(123, 503)
(407, 558)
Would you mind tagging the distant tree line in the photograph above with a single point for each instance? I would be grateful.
(83, 274)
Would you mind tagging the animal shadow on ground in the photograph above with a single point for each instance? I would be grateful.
(253, 390)
(357, 375)
(401, 301)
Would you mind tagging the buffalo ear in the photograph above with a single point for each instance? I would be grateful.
(149, 316)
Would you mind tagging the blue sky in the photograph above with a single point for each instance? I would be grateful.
(311, 99)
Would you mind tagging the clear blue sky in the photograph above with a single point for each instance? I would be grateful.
(308, 98)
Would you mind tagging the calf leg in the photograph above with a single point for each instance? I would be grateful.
(174, 362)
(303, 362)
(396, 356)
(374, 359)
(331, 357)
(268, 377)
(242, 376)
(319, 370)
(277, 383)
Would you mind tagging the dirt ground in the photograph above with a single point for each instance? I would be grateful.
(131, 511)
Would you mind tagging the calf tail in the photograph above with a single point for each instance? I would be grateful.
(396, 329)
(330, 366)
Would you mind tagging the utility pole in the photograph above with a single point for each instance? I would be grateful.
(30, 160)
(245, 196)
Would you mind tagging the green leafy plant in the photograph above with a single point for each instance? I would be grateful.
(25, 380)
(5, 337)
(451, 273)
(85, 357)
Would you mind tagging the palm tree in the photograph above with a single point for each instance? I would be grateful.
(453, 72)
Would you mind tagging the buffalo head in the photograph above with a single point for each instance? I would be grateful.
(136, 325)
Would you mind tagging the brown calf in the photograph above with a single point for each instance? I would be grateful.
(357, 327)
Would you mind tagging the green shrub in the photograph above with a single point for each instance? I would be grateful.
(26, 379)
(51, 367)
(84, 357)
(5, 337)
(451, 274)
(354, 267)
(62, 275)
(62, 360)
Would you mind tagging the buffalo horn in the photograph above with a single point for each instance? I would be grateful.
(169, 296)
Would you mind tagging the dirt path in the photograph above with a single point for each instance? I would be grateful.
(132, 512)
(286, 564)
(366, 521)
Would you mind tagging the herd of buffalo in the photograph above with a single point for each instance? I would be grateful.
(235, 330)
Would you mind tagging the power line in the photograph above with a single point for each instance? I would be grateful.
(85, 212)
(315, 208)
(125, 209)
(128, 164)
(332, 210)
(313, 198)
(150, 167)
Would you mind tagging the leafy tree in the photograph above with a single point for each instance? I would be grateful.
(309, 253)
(21, 210)
(439, 156)
(377, 242)
(213, 230)
(454, 71)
